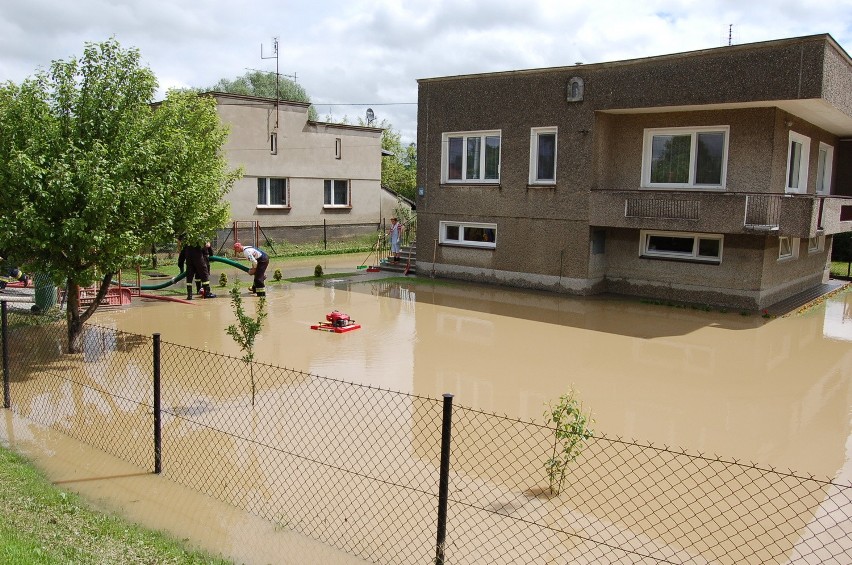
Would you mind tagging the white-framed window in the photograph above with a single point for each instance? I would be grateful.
(788, 247)
(273, 192)
(336, 192)
(704, 247)
(816, 244)
(799, 149)
(469, 234)
(693, 158)
(338, 148)
(543, 155)
(471, 157)
(273, 143)
(825, 162)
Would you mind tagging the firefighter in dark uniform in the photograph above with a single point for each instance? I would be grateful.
(196, 258)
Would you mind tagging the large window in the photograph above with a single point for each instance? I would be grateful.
(272, 192)
(336, 192)
(685, 158)
(543, 156)
(824, 166)
(797, 162)
(471, 157)
(679, 245)
(469, 234)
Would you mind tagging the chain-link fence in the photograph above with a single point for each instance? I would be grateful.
(359, 468)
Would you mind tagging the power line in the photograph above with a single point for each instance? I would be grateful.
(365, 104)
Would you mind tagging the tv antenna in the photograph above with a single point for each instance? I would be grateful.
(277, 75)
(371, 116)
(730, 28)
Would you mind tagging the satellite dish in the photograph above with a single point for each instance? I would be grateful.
(371, 116)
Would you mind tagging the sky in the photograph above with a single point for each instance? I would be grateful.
(353, 54)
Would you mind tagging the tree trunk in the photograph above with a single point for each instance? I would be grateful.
(74, 317)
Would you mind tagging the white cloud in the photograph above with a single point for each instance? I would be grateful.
(373, 52)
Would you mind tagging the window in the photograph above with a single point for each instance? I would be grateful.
(273, 143)
(788, 247)
(543, 156)
(677, 245)
(575, 89)
(685, 158)
(272, 192)
(336, 192)
(816, 244)
(824, 166)
(471, 157)
(797, 163)
(469, 234)
(338, 148)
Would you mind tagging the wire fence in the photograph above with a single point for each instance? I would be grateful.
(359, 468)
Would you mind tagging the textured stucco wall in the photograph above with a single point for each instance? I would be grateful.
(543, 232)
(306, 156)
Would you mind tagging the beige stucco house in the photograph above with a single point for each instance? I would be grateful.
(716, 176)
(303, 180)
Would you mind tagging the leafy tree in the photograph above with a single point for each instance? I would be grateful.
(259, 83)
(399, 171)
(571, 431)
(91, 174)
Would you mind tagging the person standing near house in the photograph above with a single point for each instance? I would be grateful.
(197, 265)
(395, 234)
(206, 253)
(259, 262)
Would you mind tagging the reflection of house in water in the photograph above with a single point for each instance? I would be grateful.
(838, 318)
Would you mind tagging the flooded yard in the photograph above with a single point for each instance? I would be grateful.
(775, 392)
(734, 386)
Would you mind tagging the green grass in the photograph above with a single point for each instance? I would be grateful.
(42, 524)
(840, 269)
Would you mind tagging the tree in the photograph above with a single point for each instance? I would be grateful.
(91, 174)
(259, 83)
(399, 171)
(245, 331)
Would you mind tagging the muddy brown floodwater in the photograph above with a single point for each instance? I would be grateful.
(775, 392)
(770, 391)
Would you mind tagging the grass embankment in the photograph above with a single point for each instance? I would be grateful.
(42, 524)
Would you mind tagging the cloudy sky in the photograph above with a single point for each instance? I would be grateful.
(351, 54)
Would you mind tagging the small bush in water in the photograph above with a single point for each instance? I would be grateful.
(223, 280)
(277, 276)
(570, 433)
(318, 271)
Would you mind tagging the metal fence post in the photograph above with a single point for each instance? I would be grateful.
(158, 440)
(444, 485)
(324, 234)
(4, 324)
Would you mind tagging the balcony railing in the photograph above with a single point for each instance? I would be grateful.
(796, 215)
(763, 211)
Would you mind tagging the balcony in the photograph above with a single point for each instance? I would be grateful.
(795, 215)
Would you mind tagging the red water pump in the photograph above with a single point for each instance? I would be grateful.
(338, 319)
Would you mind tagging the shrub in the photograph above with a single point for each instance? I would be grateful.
(277, 276)
(571, 430)
(318, 271)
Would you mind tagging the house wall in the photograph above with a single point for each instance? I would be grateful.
(543, 232)
(306, 157)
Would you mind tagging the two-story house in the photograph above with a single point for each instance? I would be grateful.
(714, 176)
(303, 180)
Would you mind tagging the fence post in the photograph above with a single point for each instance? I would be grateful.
(444, 485)
(158, 440)
(4, 327)
(324, 234)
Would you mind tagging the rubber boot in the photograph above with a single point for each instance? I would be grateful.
(189, 291)
(205, 291)
(197, 287)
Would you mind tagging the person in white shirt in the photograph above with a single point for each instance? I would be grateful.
(259, 262)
